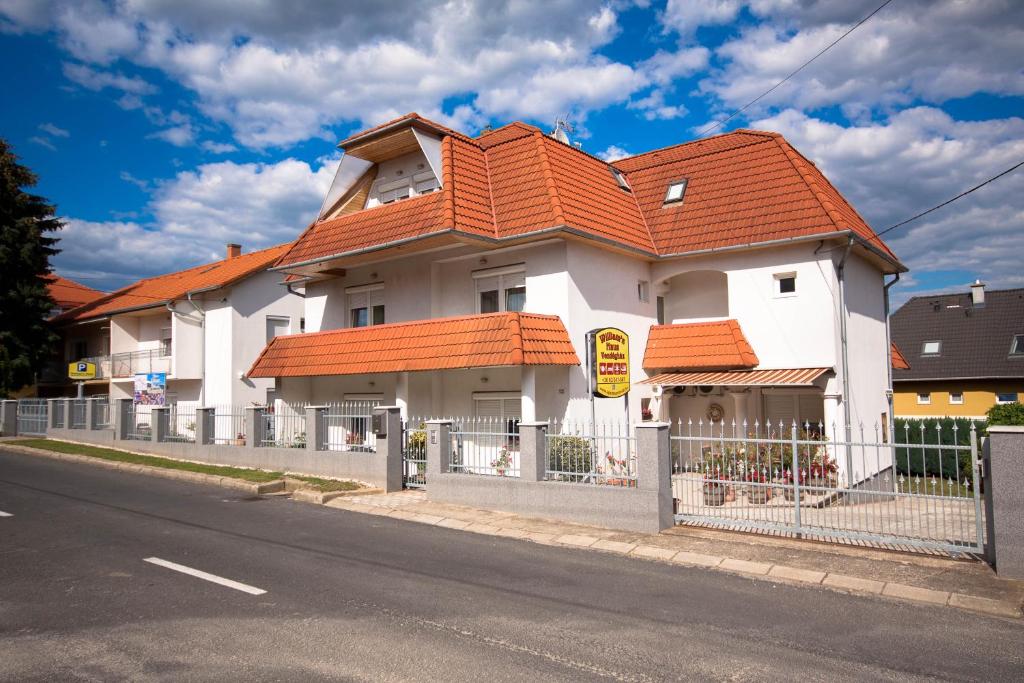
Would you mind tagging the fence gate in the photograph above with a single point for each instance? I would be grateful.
(414, 454)
(921, 493)
(32, 416)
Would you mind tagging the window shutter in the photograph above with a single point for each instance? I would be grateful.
(812, 409)
(489, 407)
(779, 407)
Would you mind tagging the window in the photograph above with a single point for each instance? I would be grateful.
(165, 341)
(1006, 397)
(807, 410)
(1017, 345)
(956, 398)
(931, 348)
(643, 290)
(277, 326)
(505, 409)
(302, 325)
(81, 350)
(785, 284)
(620, 178)
(500, 289)
(675, 192)
(365, 305)
(661, 310)
(924, 398)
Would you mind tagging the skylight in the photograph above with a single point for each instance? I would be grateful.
(620, 179)
(1017, 346)
(675, 192)
(931, 348)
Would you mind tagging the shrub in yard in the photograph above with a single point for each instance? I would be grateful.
(930, 462)
(570, 454)
(1006, 414)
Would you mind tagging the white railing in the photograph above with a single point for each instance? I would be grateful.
(346, 426)
(482, 445)
(583, 453)
(131, 363)
(284, 425)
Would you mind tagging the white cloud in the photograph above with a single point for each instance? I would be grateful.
(94, 79)
(217, 147)
(654, 107)
(179, 136)
(613, 153)
(143, 185)
(917, 159)
(43, 142)
(195, 214)
(686, 16)
(53, 130)
(664, 67)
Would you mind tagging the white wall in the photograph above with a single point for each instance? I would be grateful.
(219, 340)
(187, 342)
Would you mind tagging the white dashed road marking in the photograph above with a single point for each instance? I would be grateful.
(203, 575)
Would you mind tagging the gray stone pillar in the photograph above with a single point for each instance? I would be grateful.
(1004, 500)
(91, 415)
(69, 407)
(389, 446)
(255, 426)
(160, 423)
(533, 451)
(122, 408)
(9, 418)
(316, 428)
(654, 466)
(439, 447)
(52, 406)
(205, 426)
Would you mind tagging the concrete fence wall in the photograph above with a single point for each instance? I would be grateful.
(1003, 460)
(382, 468)
(646, 507)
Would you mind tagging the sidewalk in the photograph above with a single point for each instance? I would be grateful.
(963, 584)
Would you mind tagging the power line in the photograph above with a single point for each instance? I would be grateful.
(878, 235)
(739, 111)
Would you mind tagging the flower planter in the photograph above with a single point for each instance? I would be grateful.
(730, 494)
(759, 494)
(715, 494)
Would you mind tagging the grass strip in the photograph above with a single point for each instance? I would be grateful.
(326, 485)
(258, 476)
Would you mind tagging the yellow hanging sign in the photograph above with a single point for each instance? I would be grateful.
(609, 362)
(82, 370)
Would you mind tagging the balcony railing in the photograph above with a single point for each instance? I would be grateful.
(135, 362)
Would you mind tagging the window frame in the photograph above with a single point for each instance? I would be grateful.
(1001, 402)
(954, 402)
(1017, 345)
(620, 179)
(931, 354)
(778, 278)
(370, 306)
(277, 318)
(924, 398)
(508, 278)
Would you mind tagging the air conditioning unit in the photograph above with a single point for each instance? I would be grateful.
(678, 391)
(706, 390)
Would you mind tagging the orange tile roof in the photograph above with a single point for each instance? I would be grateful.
(744, 187)
(898, 361)
(68, 293)
(156, 291)
(474, 341)
(716, 345)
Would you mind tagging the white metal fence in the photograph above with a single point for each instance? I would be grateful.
(346, 426)
(414, 453)
(284, 425)
(485, 445)
(32, 416)
(181, 423)
(922, 492)
(78, 413)
(101, 413)
(139, 423)
(229, 427)
(583, 453)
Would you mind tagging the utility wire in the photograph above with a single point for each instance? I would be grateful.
(739, 111)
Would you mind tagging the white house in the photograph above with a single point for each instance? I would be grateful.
(201, 327)
(460, 276)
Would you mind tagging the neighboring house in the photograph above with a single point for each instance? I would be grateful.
(459, 276)
(68, 294)
(202, 327)
(965, 352)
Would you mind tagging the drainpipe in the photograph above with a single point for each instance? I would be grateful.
(841, 274)
(202, 349)
(888, 365)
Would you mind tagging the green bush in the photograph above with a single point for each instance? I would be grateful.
(1006, 414)
(571, 454)
(933, 431)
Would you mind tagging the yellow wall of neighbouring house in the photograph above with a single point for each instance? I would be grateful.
(979, 396)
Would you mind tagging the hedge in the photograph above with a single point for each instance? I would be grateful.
(912, 461)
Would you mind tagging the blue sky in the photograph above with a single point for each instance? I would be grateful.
(164, 128)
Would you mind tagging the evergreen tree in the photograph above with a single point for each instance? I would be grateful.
(26, 220)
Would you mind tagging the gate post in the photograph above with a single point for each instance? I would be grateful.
(439, 444)
(533, 447)
(1004, 499)
(205, 426)
(9, 417)
(160, 423)
(795, 459)
(255, 425)
(51, 413)
(389, 446)
(69, 410)
(654, 467)
(122, 416)
(90, 413)
(316, 432)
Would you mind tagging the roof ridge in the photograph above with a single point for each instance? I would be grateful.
(448, 178)
(490, 190)
(697, 141)
(825, 202)
(549, 180)
(516, 338)
(707, 153)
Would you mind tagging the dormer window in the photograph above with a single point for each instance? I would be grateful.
(1017, 345)
(931, 348)
(675, 192)
(620, 178)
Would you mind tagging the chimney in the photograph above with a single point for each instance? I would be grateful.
(978, 293)
(234, 250)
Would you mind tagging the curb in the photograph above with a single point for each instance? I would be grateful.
(761, 571)
(249, 487)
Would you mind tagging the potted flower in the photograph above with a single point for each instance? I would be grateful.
(758, 491)
(619, 471)
(503, 463)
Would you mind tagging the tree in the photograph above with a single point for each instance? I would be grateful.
(26, 219)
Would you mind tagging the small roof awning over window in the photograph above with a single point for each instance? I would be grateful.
(473, 341)
(796, 377)
(716, 345)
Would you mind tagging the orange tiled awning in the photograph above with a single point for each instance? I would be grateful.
(699, 346)
(796, 377)
(475, 341)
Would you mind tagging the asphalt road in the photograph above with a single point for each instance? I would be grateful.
(359, 597)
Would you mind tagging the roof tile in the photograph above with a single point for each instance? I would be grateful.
(715, 345)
